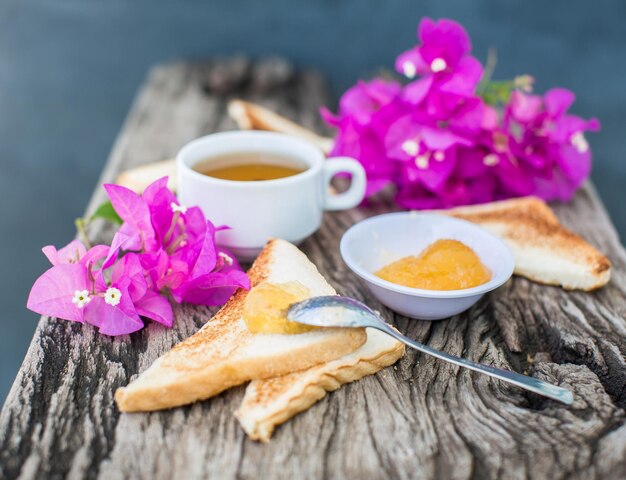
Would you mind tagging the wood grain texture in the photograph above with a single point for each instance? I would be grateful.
(420, 419)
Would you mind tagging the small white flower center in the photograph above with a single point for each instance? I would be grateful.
(421, 162)
(410, 147)
(81, 298)
(112, 296)
(178, 208)
(438, 65)
(226, 258)
(439, 156)
(491, 160)
(409, 69)
(579, 142)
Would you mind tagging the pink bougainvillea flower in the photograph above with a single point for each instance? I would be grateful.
(548, 144)
(443, 44)
(183, 259)
(442, 145)
(408, 137)
(75, 252)
(62, 291)
(214, 275)
(361, 102)
(65, 289)
(162, 250)
(113, 311)
(117, 303)
(365, 113)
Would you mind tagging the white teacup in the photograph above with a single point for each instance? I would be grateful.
(290, 208)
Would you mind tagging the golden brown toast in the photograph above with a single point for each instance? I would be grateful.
(268, 403)
(251, 116)
(138, 178)
(544, 250)
(223, 353)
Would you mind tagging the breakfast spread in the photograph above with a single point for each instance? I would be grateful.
(290, 365)
(444, 265)
(544, 250)
(225, 353)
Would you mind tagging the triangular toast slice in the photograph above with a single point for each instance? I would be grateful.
(223, 353)
(268, 403)
(544, 250)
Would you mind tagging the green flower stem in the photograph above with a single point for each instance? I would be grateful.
(81, 229)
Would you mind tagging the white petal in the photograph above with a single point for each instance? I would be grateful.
(421, 162)
(112, 296)
(438, 65)
(491, 160)
(410, 147)
(579, 142)
(409, 69)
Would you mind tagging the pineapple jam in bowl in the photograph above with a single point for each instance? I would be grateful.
(453, 262)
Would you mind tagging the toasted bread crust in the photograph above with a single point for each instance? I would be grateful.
(138, 178)
(544, 250)
(217, 357)
(251, 116)
(269, 403)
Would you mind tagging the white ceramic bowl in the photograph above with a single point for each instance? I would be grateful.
(373, 243)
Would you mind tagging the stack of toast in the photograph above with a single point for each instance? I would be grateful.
(288, 372)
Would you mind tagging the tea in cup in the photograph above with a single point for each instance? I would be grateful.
(263, 185)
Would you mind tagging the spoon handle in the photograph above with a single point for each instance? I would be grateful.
(523, 381)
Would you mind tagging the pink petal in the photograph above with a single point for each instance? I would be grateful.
(441, 139)
(208, 254)
(95, 253)
(435, 175)
(465, 78)
(129, 272)
(52, 293)
(445, 39)
(215, 288)
(415, 92)
(524, 107)
(133, 210)
(558, 101)
(113, 320)
(73, 252)
(152, 190)
(490, 118)
(51, 253)
(155, 307)
(329, 117)
(120, 240)
(403, 129)
(414, 58)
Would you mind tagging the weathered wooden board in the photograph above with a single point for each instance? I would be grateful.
(420, 419)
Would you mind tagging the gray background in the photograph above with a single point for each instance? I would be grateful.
(69, 70)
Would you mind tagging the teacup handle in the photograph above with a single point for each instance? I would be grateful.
(356, 191)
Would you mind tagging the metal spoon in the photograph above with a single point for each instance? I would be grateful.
(346, 312)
